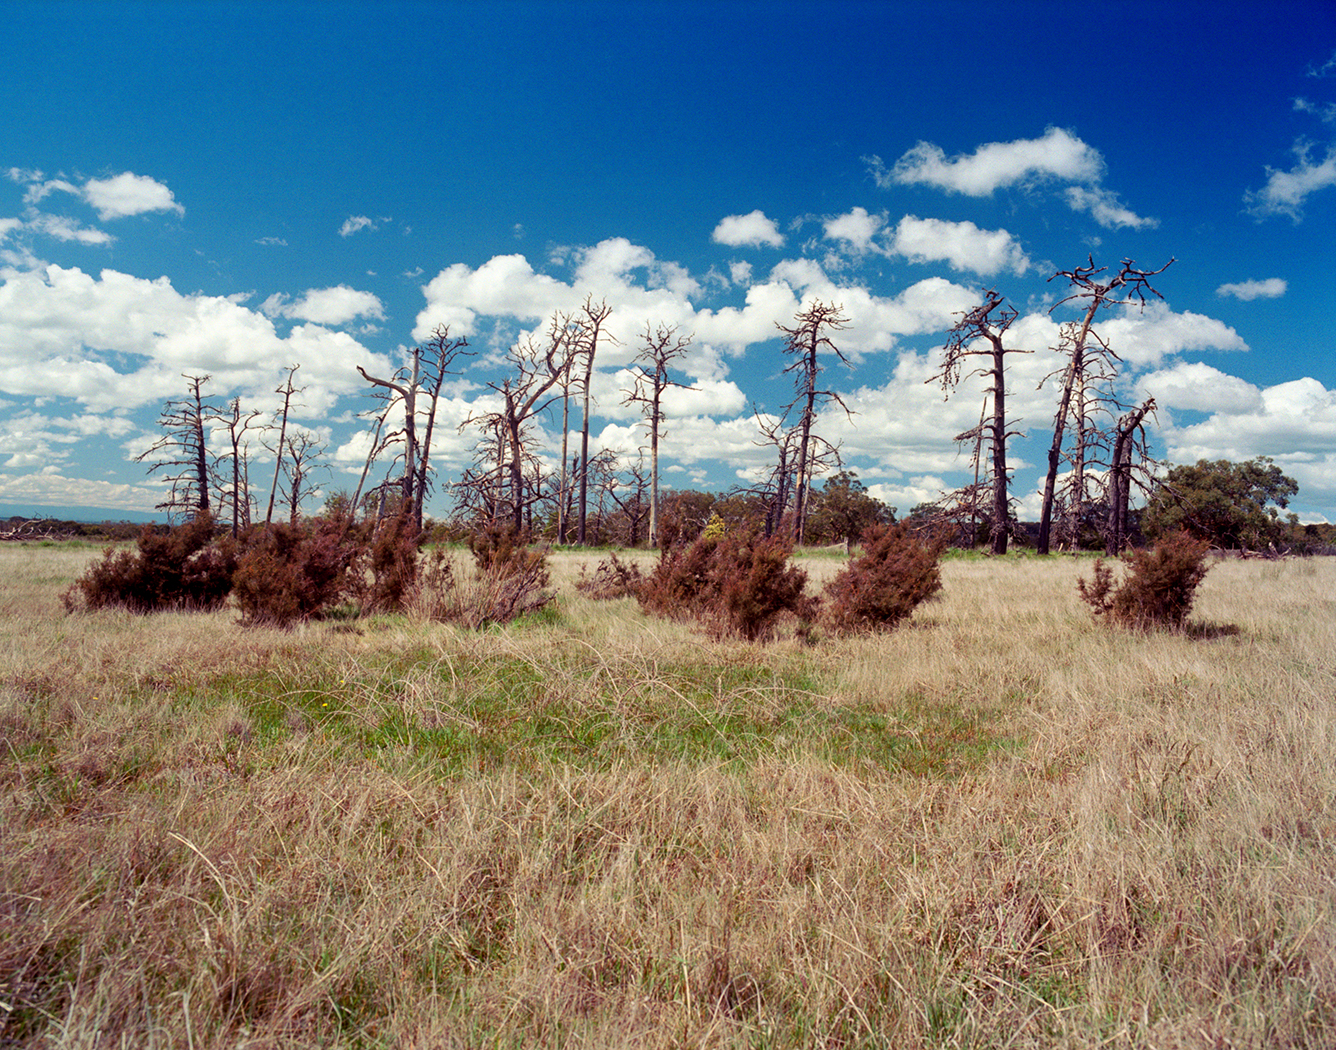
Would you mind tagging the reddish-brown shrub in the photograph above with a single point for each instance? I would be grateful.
(184, 568)
(612, 578)
(289, 573)
(498, 549)
(682, 584)
(757, 585)
(897, 571)
(738, 583)
(394, 563)
(1159, 588)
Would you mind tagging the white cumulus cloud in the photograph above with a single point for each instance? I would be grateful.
(1286, 418)
(120, 342)
(962, 245)
(1286, 191)
(1106, 209)
(1271, 288)
(354, 223)
(49, 487)
(1198, 387)
(856, 229)
(329, 306)
(65, 229)
(1057, 155)
(1144, 338)
(129, 194)
(751, 230)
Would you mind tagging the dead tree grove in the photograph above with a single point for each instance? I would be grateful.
(538, 367)
(1089, 361)
(427, 368)
(237, 495)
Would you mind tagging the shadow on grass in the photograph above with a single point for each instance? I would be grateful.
(1207, 631)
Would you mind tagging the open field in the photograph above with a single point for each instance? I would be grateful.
(1000, 826)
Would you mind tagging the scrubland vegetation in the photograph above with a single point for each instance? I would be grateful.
(1004, 824)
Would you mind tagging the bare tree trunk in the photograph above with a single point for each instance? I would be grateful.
(989, 321)
(366, 467)
(1120, 477)
(1075, 368)
(584, 449)
(805, 342)
(516, 466)
(201, 455)
(287, 391)
(592, 324)
(661, 347)
(998, 426)
(236, 429)
(563, 503)
(407, 391)
(441, 351)
(654, 476)
(1076, 504)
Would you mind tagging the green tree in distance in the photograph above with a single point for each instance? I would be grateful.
(842, 510)
(1233, 505)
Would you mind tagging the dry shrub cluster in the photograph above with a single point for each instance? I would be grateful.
(394, 563)
(744, 584)
(1159, 588)
(612, 578)
(897, 571)
(282, 574)
(738, 583)
(289, 573)
(182, 569)
(510, 579)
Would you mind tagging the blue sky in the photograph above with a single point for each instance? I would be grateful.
(232, 188)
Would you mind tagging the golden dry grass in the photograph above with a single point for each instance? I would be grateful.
(1000, 826)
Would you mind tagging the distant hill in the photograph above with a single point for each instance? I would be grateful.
(94, 515)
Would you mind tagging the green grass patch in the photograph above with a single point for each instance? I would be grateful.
(461, 716)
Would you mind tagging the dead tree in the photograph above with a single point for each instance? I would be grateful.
(407, 383)
(986, 324)
(376, 446)
(238, 496)
(304, 448)
(182, 451)
(563, 481)
(588, 330)
(287, 390)
(635, 507)
(438, 355)
(1088, 358)
(538, 368)
(1129, 440)
(966, 500)
(805, 342)
(776, 492)
(661, 347)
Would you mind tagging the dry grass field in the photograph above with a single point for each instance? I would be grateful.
(1000, 826)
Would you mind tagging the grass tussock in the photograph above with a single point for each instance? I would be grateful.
(998, 826)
